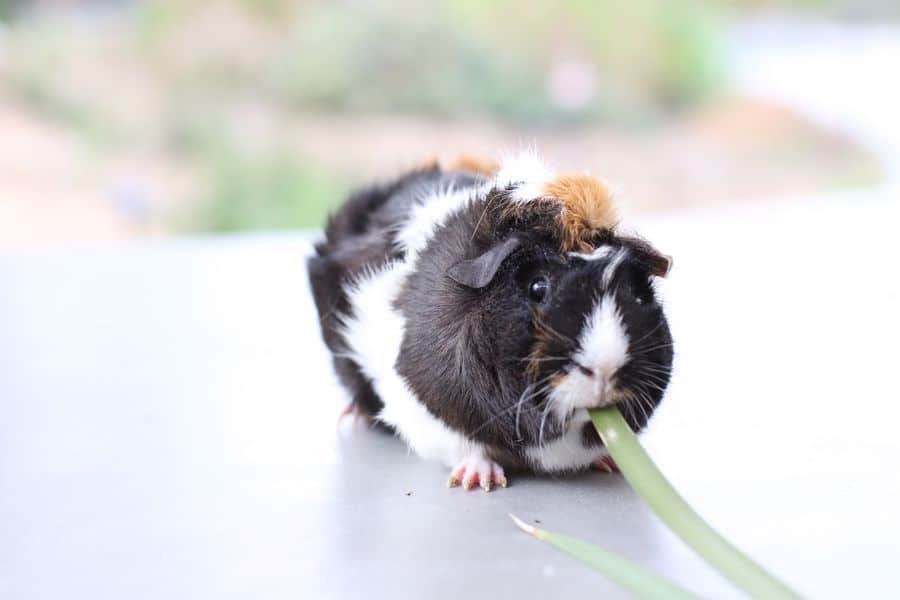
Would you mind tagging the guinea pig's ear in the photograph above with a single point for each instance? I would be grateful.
(479, 271)
(657, 263)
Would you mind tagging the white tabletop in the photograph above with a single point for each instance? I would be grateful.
(168, 428)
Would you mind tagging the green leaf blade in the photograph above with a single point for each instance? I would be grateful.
(650, 484)
(642, 582)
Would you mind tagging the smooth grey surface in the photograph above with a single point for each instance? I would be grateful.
(168, 428)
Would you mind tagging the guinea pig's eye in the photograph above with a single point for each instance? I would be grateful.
(643, 293)
(538, 288)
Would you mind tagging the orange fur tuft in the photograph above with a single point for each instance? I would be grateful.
(587, 208)
(473, 164)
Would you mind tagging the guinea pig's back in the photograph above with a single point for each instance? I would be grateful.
(359, 237)
(361, 233)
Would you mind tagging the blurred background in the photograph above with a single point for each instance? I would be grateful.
(127, 119)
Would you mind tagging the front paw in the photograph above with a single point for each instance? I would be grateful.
(477, 469)
(357, 416)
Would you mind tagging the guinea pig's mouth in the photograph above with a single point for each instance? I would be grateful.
(582, 387)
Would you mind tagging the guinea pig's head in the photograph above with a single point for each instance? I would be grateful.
(569, 305)
(600, 336)
(581, 329)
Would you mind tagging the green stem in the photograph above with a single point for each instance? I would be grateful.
(647, 480)
(642, 582)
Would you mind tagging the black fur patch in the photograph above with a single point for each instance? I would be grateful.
(463, 350)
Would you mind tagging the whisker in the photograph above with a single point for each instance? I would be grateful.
(487, 206)
(651, 332)
(543, 359)
(652, 369)
(522, 400)
(653, 381)
(540, 322)
(654, 386)
(655, 375)
(497, 415)
(642, 396)
(530, 391)
(645, 364)
(541, 428)
(629, 409)
(648, 350)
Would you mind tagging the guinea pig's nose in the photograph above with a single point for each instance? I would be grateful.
(603, 386)
(604, 372)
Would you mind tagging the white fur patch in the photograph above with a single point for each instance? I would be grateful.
(610, 270)
(374, 335)
(527, 172)
(429, 215)
(568, 451)
(597, 254)
(602, 348)
(603, 345)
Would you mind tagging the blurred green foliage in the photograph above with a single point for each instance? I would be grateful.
(186, 82)
(9, 8)
(457, 59)
(453, 59)
(267, 192)
(194, 70)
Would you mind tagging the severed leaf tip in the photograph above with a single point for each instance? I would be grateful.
(523, 525)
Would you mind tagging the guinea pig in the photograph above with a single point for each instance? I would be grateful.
(479, 311)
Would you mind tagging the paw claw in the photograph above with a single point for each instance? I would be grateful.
(478, 470)
(356, 415)
(605, 463)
